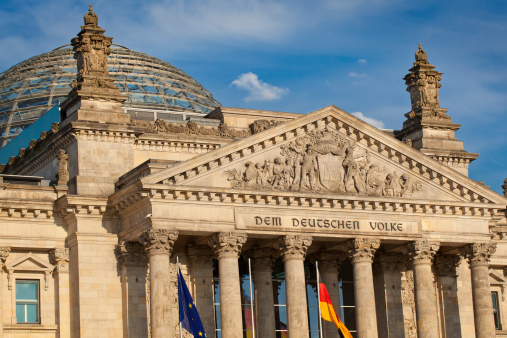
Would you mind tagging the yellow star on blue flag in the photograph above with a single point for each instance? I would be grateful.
(189, 317)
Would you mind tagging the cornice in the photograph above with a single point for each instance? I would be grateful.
(85, 205)
(161, 192)
(373, 139)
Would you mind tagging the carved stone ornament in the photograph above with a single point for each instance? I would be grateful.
(62, 175)
(479, 253)
(328, 261)
(4, 253)
(59, 257)
(158, 241)
(227, 244)
(361, 249)
(262, 258)
(324, 161)
(390, 262)
(293, 246)
(131, 254)
(421, 252)
(201, 255)
(445, 265)
(408, 301)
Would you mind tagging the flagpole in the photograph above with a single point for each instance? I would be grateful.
(318, 297)
(177, 272)
(251, 299)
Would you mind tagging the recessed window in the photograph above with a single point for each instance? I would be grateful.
(27, 301)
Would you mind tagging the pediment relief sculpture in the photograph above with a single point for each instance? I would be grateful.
(324, 161)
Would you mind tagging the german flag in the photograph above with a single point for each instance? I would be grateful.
(328, 313)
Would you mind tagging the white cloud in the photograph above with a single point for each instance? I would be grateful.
(362, 61)
(359, 75)
(257, 89)
(376, 123)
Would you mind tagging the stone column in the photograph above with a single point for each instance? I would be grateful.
(361, 251)
(446, 268)
(479, 255)
(262, 260)
(201, 263)
(227, 247)
(293, 252)
(422, 254)
(158, 244)
(329, 265)
(60, 258)
(4, 253)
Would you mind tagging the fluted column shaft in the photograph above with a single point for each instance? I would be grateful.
(158, 244)
(227, 247)
(329, 263)
(361, 251)
(422, 254)
(479, 255)
(293, 252)
(262, 268)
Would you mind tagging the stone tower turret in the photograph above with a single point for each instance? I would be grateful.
(428, 127)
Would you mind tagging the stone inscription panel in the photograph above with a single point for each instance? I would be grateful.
(373, 225)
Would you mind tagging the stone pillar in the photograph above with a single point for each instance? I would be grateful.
(293, 252)
(60, 258)
(227, 247)
(158, 244)
(361, 251)
(387, 279)
(422, 254)
(446, 268)
(262, 260)
(479, 255)
(329, 264)
(4, 253)
(201, 263)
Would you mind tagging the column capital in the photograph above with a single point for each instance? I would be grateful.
(479, 253)
(361, 249)
(293, 246)
(4, 253)
(390, 262)
(262, 258)
(158, 241)
(200, 255)
(329, 261)
(60, 258)
(227, 244)
(446, 265)
(421, 252)
(130, 253)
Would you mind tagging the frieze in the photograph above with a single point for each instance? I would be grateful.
(256, 220)
(324, 161)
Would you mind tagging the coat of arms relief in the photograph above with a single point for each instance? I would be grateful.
(324, 161)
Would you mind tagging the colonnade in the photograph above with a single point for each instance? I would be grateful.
(158, 244)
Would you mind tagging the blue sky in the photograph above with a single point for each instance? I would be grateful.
(299, 56)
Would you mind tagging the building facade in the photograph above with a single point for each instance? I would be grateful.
(406, 243)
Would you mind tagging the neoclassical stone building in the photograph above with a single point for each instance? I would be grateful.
(406, 243)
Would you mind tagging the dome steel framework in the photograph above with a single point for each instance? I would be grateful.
(32, 87)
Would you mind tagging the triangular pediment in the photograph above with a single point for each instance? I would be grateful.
(29, 262)
(327, 151)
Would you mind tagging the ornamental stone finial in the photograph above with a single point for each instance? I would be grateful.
(293, 246)
(421, 252)
(227, 244)
(262, 258)
(158, 241)
(420, 55)
(479, 253)
(361, 249)
(90, 18)
(329, 261)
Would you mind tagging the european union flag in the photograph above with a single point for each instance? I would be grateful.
(189, 317)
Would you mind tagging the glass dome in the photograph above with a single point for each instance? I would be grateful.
(32, 87)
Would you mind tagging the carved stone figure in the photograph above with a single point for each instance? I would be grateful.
(323, 160)
(62, 175)
(504, 187)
